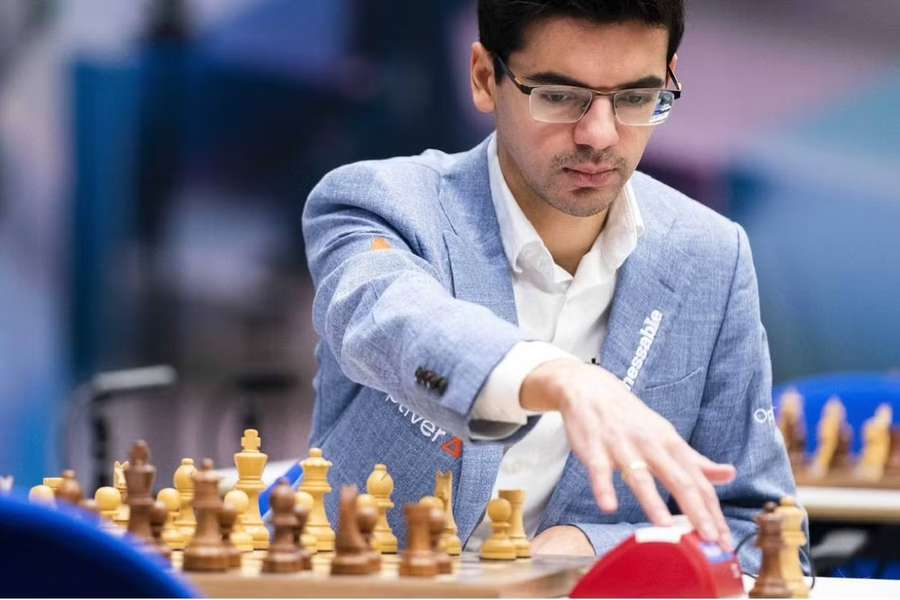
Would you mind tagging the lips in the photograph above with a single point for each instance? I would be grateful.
(590, 176)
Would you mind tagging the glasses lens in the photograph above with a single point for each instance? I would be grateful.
(559, 103)
(643, 107)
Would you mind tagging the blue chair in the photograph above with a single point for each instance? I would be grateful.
(60, 553)
(861, 394)
(841, 550)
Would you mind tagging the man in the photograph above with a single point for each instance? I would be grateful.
(536, 314)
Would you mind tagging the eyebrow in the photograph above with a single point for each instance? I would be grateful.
(553, 78)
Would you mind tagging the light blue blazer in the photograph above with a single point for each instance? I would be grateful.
(410, 334)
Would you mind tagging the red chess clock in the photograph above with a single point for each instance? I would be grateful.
(667, 562)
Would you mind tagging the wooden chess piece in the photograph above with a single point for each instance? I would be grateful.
(250, 463)
(108, 502)
(301, 514)
(139, 477)
(842, 464)
(498, 546)
(70, 490)
(876, 445)
(367, 518)
(770, 583)
(183, 479)
(516, 499)
(205, 551)
(42, 495)
(443, 489)
(283, 555)
(417, 560)
(303, 500)
(829, 431)
(793, 538)
(437, 522)
(315, 483)
(351, 556)
(227, 518)
(793, 427)
(53, 483)
(892, 469)
(242, 540)
(381, 485)
(121, 518)
(171, 534)
(158, 516)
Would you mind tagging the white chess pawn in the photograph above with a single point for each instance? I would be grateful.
(171, 534)
(109, 500)
(43, 495)
(239, 501)
(499, 546)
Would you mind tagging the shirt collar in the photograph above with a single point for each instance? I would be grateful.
(526, 251)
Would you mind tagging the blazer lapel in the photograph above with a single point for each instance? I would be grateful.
(651, 279)
(480, 273)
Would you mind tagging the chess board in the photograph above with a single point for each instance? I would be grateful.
(536, 577)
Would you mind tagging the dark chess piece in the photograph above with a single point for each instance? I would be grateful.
(69, 489)
(302, 516)
(437, 522)
(139, 476)
(843, 458)
(206, 552)
(283, 556)
(770, 583)
(351, 557)
(892, 468)
(158, 516)
(227, 518)
(418, 560)
(367, 519)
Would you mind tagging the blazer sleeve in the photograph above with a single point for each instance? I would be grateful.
(736, 423)
(382, 308)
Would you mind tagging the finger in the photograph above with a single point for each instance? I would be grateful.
(709, 495)
(716, 473)
(600, 471)
(641, 483)
(686, 491)
(591, 451)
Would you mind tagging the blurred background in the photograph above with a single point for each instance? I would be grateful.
(155, 156)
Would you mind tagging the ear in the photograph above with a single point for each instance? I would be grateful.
(482, 80)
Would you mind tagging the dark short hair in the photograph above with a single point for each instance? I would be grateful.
(502, 23)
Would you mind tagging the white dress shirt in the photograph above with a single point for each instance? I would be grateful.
(566, 316)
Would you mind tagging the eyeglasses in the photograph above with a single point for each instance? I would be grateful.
(639, 107)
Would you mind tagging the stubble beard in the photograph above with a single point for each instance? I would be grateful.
(581, 202)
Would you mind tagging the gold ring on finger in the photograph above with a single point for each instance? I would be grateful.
(635, 465)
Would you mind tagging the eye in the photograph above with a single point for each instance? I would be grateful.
(557, 97)
(635, 99)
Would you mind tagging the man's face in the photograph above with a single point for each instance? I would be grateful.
(577, 168)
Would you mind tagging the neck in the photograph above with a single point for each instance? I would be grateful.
(568, 238)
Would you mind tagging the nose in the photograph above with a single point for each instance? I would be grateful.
(598, 128)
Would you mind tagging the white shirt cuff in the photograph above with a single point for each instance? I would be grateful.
(499, 398)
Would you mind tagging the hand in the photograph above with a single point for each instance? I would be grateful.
(562, 539)
(609, 428)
